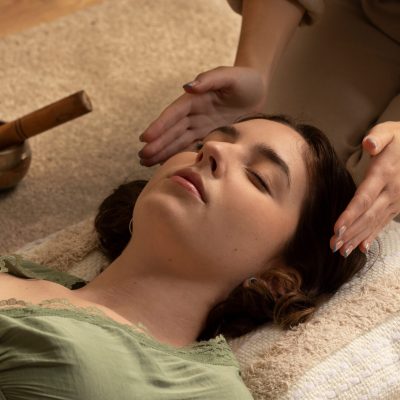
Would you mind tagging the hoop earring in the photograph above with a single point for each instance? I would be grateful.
(130, 225)
(250, 281)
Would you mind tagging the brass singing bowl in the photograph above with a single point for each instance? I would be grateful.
(14, 164)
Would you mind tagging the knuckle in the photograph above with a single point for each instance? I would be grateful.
(393, 210)
(395, 190)
(200, 76)
(388, 171)
(157, 127)
(370, 218)
(364, 200)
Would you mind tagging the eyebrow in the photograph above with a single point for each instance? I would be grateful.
(261, 150)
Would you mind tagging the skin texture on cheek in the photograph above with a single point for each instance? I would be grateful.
(250, 231)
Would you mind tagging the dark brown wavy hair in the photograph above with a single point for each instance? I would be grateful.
(315, 272)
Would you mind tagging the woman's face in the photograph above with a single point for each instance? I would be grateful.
(240, 229)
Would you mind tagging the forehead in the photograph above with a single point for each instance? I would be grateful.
(263, 129)
(286, 141)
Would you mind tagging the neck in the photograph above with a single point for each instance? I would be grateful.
(142, 291)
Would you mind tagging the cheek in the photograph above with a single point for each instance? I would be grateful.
(248, 233)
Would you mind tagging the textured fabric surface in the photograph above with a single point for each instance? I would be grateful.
(131, 57)
(350, 345)
(348, 350)
(73, 249)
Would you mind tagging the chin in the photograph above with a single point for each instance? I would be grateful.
(163, 212)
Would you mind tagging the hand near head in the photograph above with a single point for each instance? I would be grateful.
(377, 199)
(214, 98)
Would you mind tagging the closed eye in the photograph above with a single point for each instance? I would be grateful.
(255, 177)
(259, 181)
(198, 146)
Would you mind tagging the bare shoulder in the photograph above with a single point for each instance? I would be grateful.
(28, 289)
(8, 281)
(38, 290)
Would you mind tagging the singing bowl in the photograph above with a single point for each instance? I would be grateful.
(14, 164)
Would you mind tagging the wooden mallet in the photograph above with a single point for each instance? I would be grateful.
(15, 153)
(64, 110)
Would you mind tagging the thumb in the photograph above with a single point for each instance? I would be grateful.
(378, 138)
(214, 79)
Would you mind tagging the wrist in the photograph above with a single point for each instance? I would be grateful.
(263, 68)
(267, 27)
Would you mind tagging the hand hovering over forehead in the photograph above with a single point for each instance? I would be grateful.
(214, 98)
(377, 199)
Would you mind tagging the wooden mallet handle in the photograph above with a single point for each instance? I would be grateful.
(64, 110)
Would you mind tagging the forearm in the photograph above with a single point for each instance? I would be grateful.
(267, 27)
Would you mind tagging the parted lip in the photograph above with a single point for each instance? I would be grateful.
(195, 179)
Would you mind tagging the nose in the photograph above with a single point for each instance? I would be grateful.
(213, 156)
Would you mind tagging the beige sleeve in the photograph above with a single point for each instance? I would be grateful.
(314, 9)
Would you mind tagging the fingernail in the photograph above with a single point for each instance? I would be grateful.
(348, 251)
(366, 248)
(189, 85)
(337, 246)
(141, 138)
(340, 232)
(372, 141)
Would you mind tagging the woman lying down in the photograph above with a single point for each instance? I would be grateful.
(219, 241)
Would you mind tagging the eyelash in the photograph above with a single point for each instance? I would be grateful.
(259, 179)
(199, 146)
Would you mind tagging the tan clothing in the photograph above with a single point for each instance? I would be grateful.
(314, 9)
(342, 74)
(384, 15)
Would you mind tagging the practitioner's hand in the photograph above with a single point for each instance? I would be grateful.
(215, 98)
(377, 199)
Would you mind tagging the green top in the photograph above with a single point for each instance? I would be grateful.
(56, 350)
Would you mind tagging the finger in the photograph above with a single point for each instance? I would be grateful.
(382, 172)
(200, 126)
(379, 137)
(175, 112)
(180, 143)
(364, 197)
(214, 79)
(152, 148)
(368, 221)
(348, 247)
(366, 244)
(365, 237)
(361, 241)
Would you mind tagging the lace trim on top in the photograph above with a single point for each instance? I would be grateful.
(214, 351)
